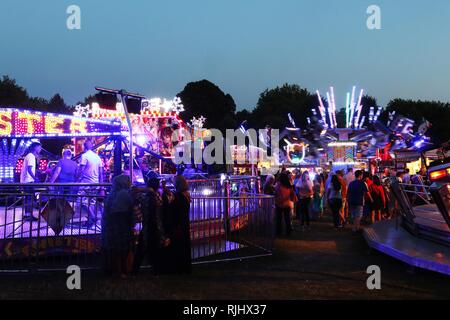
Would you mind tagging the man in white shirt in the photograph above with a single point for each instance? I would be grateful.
(28, 175)
(91, 166)
(90, 171)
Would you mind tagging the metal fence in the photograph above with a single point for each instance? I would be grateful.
(417, 193)
(51, 226)
(232, 185)
(232, 227)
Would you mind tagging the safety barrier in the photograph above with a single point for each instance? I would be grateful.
(51, 226)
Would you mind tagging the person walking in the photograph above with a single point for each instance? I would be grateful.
(367, 209)
(305, 193)
(349, 176)
(378, 199)
(284, 195)
(334, 200)
(317, 202)
(344, 185)
(357, 191)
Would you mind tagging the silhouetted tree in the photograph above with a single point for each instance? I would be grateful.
(203, 98)
(243, 115)
(274, 105)
(57, 105)
(88, 100)
(436, 112)
(11, 94)
(368, 101)
(341, 118)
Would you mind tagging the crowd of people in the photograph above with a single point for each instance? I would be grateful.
(351, 197)
(89, 170)
(164, 240)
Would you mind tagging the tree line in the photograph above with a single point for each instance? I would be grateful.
(204, 98)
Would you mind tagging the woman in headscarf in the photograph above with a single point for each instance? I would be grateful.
(117, 227)
(152, 238)
(178, 229)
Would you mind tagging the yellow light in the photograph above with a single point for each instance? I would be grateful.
(78, 126)
(5, 123)
(52, 124)
(342, 144)
(435, 175)
(31, 118)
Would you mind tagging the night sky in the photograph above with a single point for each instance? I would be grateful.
(243, 46)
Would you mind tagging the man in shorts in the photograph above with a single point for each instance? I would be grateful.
(355, 199)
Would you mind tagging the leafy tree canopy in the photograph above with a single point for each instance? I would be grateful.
(274, 105)
(207, 99)
(13, 95)
(204, 98)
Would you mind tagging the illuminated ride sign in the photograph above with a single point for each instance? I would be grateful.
(295, 153)
(342, 152)
(17, 123)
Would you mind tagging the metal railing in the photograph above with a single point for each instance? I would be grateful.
(417, 193)
(227, 224)
(51, 226)
(217, 187)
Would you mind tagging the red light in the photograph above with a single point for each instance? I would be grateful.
(43, 164)
(436, 175)
(19, 165)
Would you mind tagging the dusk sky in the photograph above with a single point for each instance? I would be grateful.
(243, 46)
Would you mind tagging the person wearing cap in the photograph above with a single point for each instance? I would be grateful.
(28, 176)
